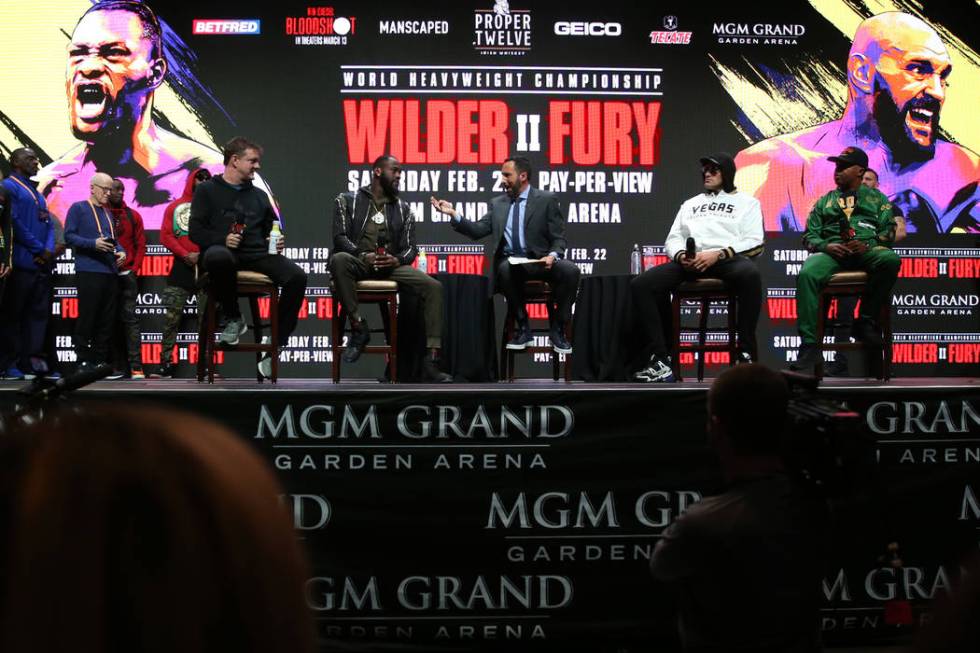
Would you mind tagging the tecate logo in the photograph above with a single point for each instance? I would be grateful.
(581, 28)
(227, 27)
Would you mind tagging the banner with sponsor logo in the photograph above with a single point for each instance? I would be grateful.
(519, 520)
(612, 104)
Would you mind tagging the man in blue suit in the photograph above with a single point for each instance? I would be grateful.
(525, 223)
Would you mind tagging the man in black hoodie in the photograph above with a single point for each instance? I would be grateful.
(231, 221)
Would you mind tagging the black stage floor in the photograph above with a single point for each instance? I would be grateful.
(528, 385)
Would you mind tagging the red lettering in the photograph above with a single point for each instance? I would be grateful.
(452, 131)
(324, 308)
(537, 311)
(915, 353)
(919, 268)
(963, 353)
(193, 350)
(69, 307)
(150, 353)
(156, 266)
(782, 308)
(963, 268)
(602, 131)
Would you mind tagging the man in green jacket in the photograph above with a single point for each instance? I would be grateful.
(851, 228)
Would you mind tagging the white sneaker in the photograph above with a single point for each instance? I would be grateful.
(658, 371)
(233, 331)
(265, 365)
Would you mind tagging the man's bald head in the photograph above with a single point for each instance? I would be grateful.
(897, 73)
(25, 161)
(100, 185)
(895, 30)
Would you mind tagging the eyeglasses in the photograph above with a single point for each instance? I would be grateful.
(105, 188)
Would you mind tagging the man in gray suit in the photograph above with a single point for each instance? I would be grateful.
(525, 223)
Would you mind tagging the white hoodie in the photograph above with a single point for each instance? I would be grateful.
(731, 222)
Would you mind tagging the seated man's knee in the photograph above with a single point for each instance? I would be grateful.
(340, 260)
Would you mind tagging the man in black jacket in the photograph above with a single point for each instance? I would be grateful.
(374, 238)
(231, 221)
(525, 223)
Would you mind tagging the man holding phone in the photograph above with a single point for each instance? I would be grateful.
(89, 231)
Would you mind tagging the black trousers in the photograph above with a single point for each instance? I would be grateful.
(97, 294)
(222, 263)
(26, 313)
(651, 297)
(563, 278)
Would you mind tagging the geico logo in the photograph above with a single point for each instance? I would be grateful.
(567, 28)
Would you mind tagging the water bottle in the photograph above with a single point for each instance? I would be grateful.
(274, 237)
(423, 261)
(636, 260)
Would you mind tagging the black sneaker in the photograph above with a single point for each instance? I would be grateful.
(743, 358)
(839, 367)
(658, 370)
(521, 340)
(359, 338)
(807, 359)
(559, 342)
(432, 373)
(167, 371)
(866, 330)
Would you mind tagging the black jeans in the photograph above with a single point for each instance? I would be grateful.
(222, 263)
(651, 297)
(97, 294)
(562, 277)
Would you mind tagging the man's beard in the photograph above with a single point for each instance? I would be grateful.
(388, 186)
(895, 131)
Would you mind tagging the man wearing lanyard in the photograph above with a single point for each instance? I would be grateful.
(89, 231)
(26, 305)
(525, 223)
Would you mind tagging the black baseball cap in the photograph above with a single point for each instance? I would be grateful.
(854, 156)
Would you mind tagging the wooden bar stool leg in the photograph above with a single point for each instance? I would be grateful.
(336, 335)
(274, 329)
(253, 307)
(209, 350)
(732, 332)
(202, 329)
(703, 335)
(822, 307)
(393, 344)
(675, 350)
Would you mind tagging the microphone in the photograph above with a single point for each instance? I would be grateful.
(81, 378)
(691, 250)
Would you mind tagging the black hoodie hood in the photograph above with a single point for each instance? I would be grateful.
(726, 164)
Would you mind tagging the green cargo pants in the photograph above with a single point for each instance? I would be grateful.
(881, 264)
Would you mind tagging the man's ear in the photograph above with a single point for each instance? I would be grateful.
(158, 72)
(861, 72)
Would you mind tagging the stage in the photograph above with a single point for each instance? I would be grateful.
(522, 515)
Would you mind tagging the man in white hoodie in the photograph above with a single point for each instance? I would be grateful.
(715, 234)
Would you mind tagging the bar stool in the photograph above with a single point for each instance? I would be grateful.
(843, 284)
(705, 291)
(535, 292)
(369, 291)
(252, 285)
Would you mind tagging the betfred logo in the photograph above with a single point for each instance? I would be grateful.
(227, 27)
(582, 28)
(669, 35)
